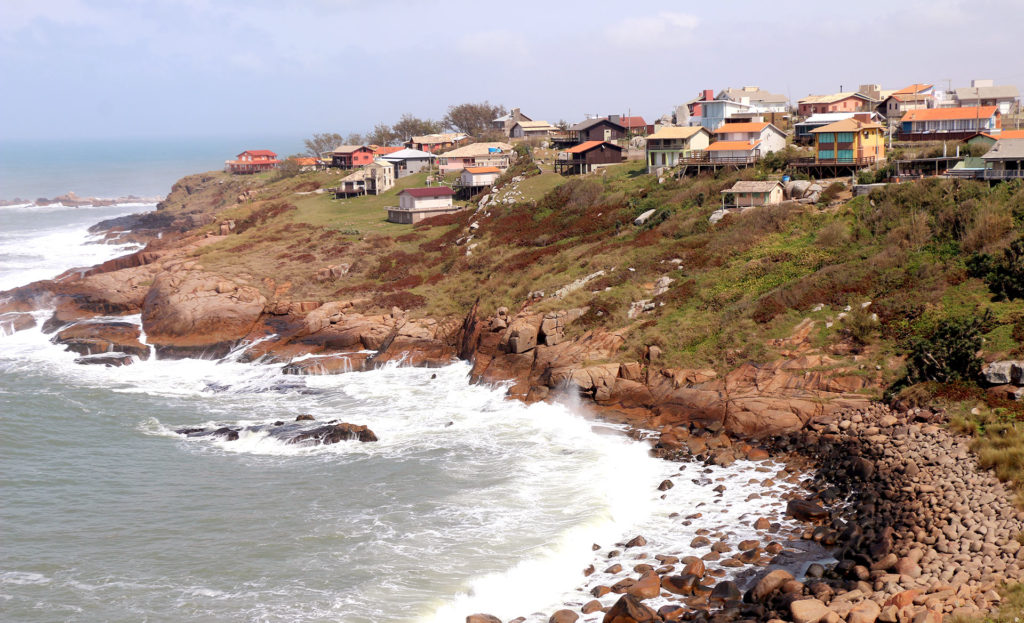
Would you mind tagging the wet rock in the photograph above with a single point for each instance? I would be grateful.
(564, 616)
(591, 606)
(804, 510)
(866, 611)
(334, 433)
(637, 541)
(110, 360)
(93, 338)
(769, 583)
(680, 584)
(665, 485)
(12, 322)
(648, 586)
(305, 417)
(629, 609)
(809, 611)
(482, 618)
(726, 591)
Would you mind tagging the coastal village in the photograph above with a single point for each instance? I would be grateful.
(868, 136)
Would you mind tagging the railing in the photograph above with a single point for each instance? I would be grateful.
(991, 174)
(705, 158)
(861, 161)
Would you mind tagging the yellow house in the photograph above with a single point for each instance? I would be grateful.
(857, 141)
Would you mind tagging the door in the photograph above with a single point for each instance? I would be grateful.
(607, 134)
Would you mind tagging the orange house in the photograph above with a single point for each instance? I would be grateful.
(351, 156)
(252, 161)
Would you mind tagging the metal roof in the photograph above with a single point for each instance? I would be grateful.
(1006, 149)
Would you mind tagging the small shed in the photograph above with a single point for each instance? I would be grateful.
(416, 204)
(753, 193)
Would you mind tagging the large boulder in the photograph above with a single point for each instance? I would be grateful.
(191, 313)
(805, 510)
(629, 609)
(771, 582)
(93, 338)
(1004, 372)
(809, 611)
(11, 322)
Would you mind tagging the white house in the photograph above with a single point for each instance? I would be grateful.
(478, 177)
(416, 204)
(531, 129)
(765, 137)
(670, 143)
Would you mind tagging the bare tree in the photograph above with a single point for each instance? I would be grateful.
(409, 126)
(382, 134)
(472, 119)
(354, 138)
(322, 142)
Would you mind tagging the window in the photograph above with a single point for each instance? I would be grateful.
(826, 154)
(845, 155)
(845, 137)
(826, 137)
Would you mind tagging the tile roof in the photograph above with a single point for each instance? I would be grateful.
(430, 191)
(750, 126)
(588, 145)
(433, 139)
(912, 89)
(847, 125)
(1006, 149)
(946, 114)
(305, 162)
(750, 186)
(475, 170)
(390, 149)
(676, 132)
(733, 145)
(348, 149)
(632, 122)
(833, 97)
(1010, 134)
(476, 149)
(258, 152)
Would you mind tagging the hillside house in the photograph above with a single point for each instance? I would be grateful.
(857, 141)
(476, 155)
(598, 129)
(1005, 160)
(898, 104)
(766, 137)
(670, 144)
(351, 156)
(804, 128)
(985, 93)
(949, 123)
(756, 96)
(531, 129)
(416, 204)
(436, 143)
(745, 194)
(749, 103)
(475, 179)
(306, 164)
(835, 102)
(635, 126)
(505, 122)
(588, 156)
(372, 179)
(410, 161)
(252, 161)
(733, 152)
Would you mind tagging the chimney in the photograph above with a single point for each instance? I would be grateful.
(709, 95)
(862, 116)
(614, 118)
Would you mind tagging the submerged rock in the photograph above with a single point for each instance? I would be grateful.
(110, 360)
(295, 432)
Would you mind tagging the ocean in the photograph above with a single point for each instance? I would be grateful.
(119, 167)
(468, 503)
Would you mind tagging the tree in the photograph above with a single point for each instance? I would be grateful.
(322, 142)
(382, 134)
(948, 353)
(1004, 275)
(409, 126)
(472, 119)
(354, 138)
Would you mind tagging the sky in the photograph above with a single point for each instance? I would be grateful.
(87, 69)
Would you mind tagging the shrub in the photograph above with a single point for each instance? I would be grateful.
(1004, 275)
(831, 193)
(948, 354)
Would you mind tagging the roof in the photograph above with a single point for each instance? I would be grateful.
(409, 154)
(305, 162)
(632, 122)
(997, 92)
(911, 97)
(1006, 149)
(348, 149)
(430, 191)
(588, 145)
(750, 126)
(828, 117)
(533, 125)
(259, 152)
(847, 125)
(433, 139)
(1010, 134)
(586, 123)
(833, 97)
(676, 132)
(944, 114)
(744, 186)
(475, 170)
(383, 151)
(733, 145)
(914, 89)
(755, 94)
(476, 149)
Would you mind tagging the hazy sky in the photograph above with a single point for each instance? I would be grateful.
(140, 68)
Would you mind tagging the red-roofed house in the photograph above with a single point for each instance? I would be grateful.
(252, 161)
(766, 137)
(416, 204)
(351, 156)
(936, 124)
(585, 157)
(635, 126)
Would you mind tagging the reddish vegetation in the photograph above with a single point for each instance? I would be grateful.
(262, 215)
(401, 299)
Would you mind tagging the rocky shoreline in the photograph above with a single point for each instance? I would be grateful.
(918, 531)
(72, 200)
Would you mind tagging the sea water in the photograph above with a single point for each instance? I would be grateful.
(469, 502)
